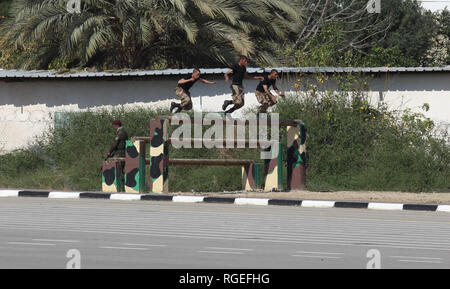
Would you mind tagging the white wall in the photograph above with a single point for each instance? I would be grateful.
(26, 106)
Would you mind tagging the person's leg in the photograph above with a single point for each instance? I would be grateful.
(186, 101)
(179, 93)
(226, 103)
(262, 101)
(238, 98)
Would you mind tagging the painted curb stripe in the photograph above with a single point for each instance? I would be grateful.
(443, 208)
(419, 207)
(9, 193)
(386, 206)
(94, 196)
(33, 194)
(156, 198)
(249, 201)
(318, 204)
(64, 195)
(283, 202)
(218, 200)
(125, 197)
(237, 201)
(354, 205)
(187, 199)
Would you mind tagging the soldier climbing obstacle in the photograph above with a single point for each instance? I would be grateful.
(182, 91)
(118, 147)
(263, 94)
(239, 71)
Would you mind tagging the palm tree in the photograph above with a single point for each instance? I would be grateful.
(148, 33)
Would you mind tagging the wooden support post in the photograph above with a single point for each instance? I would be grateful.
(159, 156)
(135, 166)
(296, 150)
(112, 175)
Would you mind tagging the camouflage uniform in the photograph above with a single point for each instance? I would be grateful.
(185, 97)
(265, 100)
(118, 147)
(237, 92)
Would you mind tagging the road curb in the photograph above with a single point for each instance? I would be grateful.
(226, 200)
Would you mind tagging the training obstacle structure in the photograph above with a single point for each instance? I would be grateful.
(134, 166)
(159, 161)
(112, 176)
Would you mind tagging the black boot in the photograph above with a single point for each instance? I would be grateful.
(231, 110)
(174, 105)
(226, 104)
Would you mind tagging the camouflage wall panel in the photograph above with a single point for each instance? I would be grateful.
(159, 155)
(112, 176)
(274, 170)
(135, 167)
(296, 142)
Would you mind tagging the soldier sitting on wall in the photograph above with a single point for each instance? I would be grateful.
(182, 91)
(117, 149)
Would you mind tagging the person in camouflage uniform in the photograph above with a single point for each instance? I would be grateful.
(263, 94)
(117, 149)
(239, 72)
(182, 90)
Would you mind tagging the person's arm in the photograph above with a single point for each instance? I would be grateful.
(183, 81)
(113, 146)
(266, 89)
(207, 81)
(227, 75)
(277, 91)
(254, 77)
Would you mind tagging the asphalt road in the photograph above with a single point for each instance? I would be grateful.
(38, 233)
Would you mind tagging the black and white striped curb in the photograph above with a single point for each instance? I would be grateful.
(227, 200)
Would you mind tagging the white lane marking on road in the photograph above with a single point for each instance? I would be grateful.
(124, 248)
(60, 241)
(321, 257)
(30, 244)
(317, 204)
(231, 249)
(125, 197)
(187, 199)
(219, 252)
(250, 201)
(296, 241)
(9, 193)
(385, 206)
(63, 195)
(418, 261)
(443, 208)
(144, 245)
(411, 257)
(324, 253)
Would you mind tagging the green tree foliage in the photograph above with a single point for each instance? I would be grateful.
(401, 35)
(146, 33)
(412, 28)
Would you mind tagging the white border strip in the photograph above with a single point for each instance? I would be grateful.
(9, 193)
(385, 206)
(187, 199)
(250, 201)
(443, 208)
(318, 204)
(63, 195)
(125, 197)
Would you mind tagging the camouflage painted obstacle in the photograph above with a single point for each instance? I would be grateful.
(159, 160)
(112, 176)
